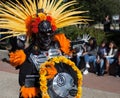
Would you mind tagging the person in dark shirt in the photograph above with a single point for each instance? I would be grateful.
(99, 61)
(117, 67)
(107, 24)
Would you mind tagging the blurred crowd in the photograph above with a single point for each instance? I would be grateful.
(88, 55)
(100, 58)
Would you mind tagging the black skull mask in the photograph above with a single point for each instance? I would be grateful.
(45, 34)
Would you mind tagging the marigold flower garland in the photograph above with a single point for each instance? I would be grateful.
(32, 22)
(48, 71)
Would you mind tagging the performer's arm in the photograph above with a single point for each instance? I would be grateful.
(17, 55)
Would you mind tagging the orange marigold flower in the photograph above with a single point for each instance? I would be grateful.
(43, 71)
(28, 22)
(42, 16)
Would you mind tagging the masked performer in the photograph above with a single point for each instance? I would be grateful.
(44, 71)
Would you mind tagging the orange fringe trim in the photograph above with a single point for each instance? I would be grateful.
(64, 42)
(30, 92)
(17, 58)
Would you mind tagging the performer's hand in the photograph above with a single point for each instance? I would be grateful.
(17, 58)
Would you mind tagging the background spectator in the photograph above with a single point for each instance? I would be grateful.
(117, 73)
(111, 54)
(99, 61)
(89, 53)
(107, 24)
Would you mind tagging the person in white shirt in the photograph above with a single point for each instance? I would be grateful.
(111, 55)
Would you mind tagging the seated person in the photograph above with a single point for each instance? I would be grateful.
(117, 71)
(89, 53)
(111, 55)
(78, 47)
(99, 61)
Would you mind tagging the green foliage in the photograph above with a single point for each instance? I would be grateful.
(114, 36)
(97, 33)
(72, 32)
(98, 9)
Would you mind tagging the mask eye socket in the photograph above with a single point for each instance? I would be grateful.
(49, 33)
(45, 27)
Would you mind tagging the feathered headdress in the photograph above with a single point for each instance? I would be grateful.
(23, 18)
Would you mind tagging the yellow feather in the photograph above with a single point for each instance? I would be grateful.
(68, 14)
(69, 18)
(13, 15)
(23, 9)
(10, 17)
(68, 22)
(62, 8)
(12, 11)
(56, 6)
(29, 7)
(11, 34)
(44, 4)
(33, 5)
(6, 37)
(50, 7)
(40, 4)
(18, 9)
(13, 27)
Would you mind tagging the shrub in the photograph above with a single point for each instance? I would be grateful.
(72, 32)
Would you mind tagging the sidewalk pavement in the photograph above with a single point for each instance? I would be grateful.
(9, 88)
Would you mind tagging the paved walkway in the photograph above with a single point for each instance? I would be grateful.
(9, 88)
(104, 83)
(93, 86)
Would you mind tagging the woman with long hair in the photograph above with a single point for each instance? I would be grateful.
(89, 54)
(111, 55)
(99, 61)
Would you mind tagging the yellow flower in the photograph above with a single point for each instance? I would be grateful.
(79, 82)
(48, 71)
(56, 60)
(43, 88)
(42, 16)
(75, 68)
(42, 77)
(43, 71)
(65, 61)
(72, 64)
(46, 96)
(79, 76)
(42, 82)
(79, 90)
(34, 16)
(51, 63)
(78, 96)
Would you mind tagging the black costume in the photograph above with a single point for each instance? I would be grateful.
(44, 69)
